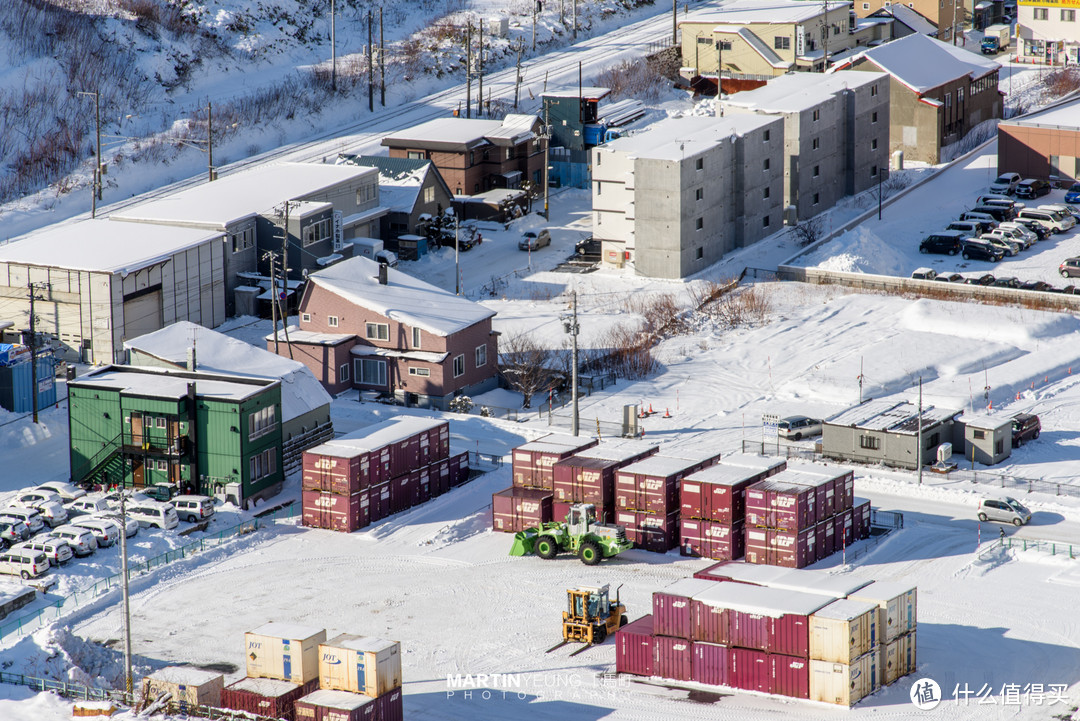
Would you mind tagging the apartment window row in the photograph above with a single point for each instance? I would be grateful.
(366, 193)
(318, 231)
(990, 81)
(261, 422)
(264, 464)
(243, 240)
(149, 421)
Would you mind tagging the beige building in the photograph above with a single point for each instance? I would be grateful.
(946, 15)
(1048, 31)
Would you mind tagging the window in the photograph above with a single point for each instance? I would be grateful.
(415, 155)
(765, 193)
(305, 317)
(765, 222)
(261, 422)
(866, 6)
(873, 117)
(423, 372)
(243, 240)
(873, 171)
(704, 40)
(161, 422)
(343, 373)
(767, 135)
(331, 320)
(700, 253)
(317, 232)
(724, 45)
(163, 465)
(481, 355)
(415, 337)
(869, 443)
(817, 197)
(372, 372)
(873, 144)
(817, 115)
(429, 195)
(948, 100)
(781, 42)
(377, 331)
(817, 170)
(599, 188)
(1042, 13)
(699, 223)
(959, 95)
(765, 165)
(1068, 16)
(263, 464)
(815, 144)
(699, 194)
(699, 164)
(978, 434)
(366, 193)
(459, 365)
(873, 91)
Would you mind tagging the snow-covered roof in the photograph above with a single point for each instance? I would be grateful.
(883, 591)
(891, 416)
(769, 12)
(573, 91)
(186, 675)
(756, 44)
(751, 460)
(658, 465)
(404, 298)
(376, 436)
(762, 600)
(688, 587)
(846, 609)
(747, 572)
(800, 91)
(618, 449)
(986, 422)
(164, 383)
(463, 133)
(400, 197)
(910, 18)
(722, 474)
(307, 336)
(923, 63)
(417, 355)
(828, 472)
(237, 196)
(270, 687)
(103, 246)
(360, 643)
(555, 442)
(1065, 115)
(291, 631)
(678, 138)
(834, 585)
(300, 391)
(329, 698)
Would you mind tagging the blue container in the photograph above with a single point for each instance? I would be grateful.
(16, 383)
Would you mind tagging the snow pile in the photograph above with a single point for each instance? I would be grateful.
(859, 251)
(55, 653)
(982, 322)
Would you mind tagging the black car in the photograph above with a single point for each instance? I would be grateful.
(982, 251)
(1000, 213)
(1009, 282)
(1036, 285)
(984, 279)
(947, 243)
(950, 278)
(1034, 226)
(1033, 188)
(587, 246)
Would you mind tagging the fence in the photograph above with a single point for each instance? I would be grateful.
(1054, 548)
(886, 519)
(775, 448)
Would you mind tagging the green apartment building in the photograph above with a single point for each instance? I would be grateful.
(207, 432)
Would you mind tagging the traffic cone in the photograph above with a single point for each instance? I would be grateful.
(650, 409)
(667, 413)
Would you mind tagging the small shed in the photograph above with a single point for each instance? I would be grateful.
(987, 439)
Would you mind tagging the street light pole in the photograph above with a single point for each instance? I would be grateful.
(210, 140)
(126, 592)
(571, 326)
(546, 137)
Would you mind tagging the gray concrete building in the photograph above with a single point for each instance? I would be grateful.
(889, 432)
(673, 199)
(836, 134)
(987, 439)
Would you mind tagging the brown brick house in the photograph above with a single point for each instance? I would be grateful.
(369, 327)
(475, 155)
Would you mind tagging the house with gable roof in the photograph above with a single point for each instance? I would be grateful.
(408, 188)
(366, 326)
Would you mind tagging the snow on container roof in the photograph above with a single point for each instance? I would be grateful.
(766, 601)
(923, 63)
(747, 572)
(986, 422)
(895, 417)
(883, 590)
(685, 137)
(815, 469)
(573, 91)
(271, 687)
(582, 460)
(163, 383)
(722, 475)
(800, 91)
(291, 631)
(102, 246)
(618, 449)
(329, 698)
(800, 478)
(300, 391)
(751, 460)
(185, 675)
(845, 609)
(818, 582)
(688, 587)
(659, 465)
(240, 195)
(360, 643)
(404, 298)
(376, 436)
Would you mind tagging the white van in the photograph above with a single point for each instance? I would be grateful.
(1049, 219)
(106, 533)
(29, 516)
(81, 540)
(161, 515)
(56, 550)
(193, 508)
(82, 506)
(28, 564)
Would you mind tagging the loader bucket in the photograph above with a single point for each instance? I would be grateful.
(523, 542)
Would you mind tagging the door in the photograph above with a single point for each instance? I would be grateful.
(137, 473)
(136, 429)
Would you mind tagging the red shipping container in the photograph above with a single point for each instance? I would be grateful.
(652, 484)
(777, 503)
(790, 635)
(844, 529)
(710, 621)
(655, 532)
(749, 630)
(337, 468)
(459, 468)
(717, 493)
(440, 477)
(712, 539)
(674, 658)
(710, 664)
(757, 545)
(390, 706)
(516, 509)
(380, 501)
(845, 490)
(404, 492)
(790, 676)
(635, 650)
(328, 705)
(424, 485)
(672, 608)
(266, 696)
(776, 620)
(792, 549)
(442, 449)
(334, 512)
(767, 466)
(861, 518)
(825, 538)
(532, 462)
(750, 670)
(559, 511)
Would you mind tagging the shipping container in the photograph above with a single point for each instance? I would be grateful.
(657, 532)
(860, 518)
(674, 658)
(768, 466)
(712, 539)
(423, 486)
(843, 631)
(532, 462)
(337, 468)
(285, 651)
(440, 477)
(266, 697)
(374, 454)
(330, 705)
(361, 664)
(842, 683)
(790, 675)
(516, 509)
(583, 479)
(898, 605)
(779, 503)
(717, 493)
(710, 621)
(334, 512)
(898, 657)
(17, 382)
(825, 536)
(404, 492)
(459, 468)
(845, 489)
(390, 707)
(843, 530)
(189, 687)
(808, 581)
(652, 484)
(671, 607)
(840, 482)
(379, 502)
(750, 670)
(740, 572)
(559, 511)
(710, 664)
(791, 549)
(634, 648)
(756, 548)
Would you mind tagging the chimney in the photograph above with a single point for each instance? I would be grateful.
(191, 358)
(383, 273)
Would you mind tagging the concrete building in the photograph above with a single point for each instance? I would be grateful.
(475, 155)
(366, 326)
(208, 433)
(836, 134)
(327, 205)
(1041, 145)
(946, 16)
(889, 432)
(938, 92)
(762, 38)
(408, 189)
(987, 439)
(673, 199)
(102, 282)
(305, 405)
(1048, 32)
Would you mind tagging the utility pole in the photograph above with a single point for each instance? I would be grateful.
(918, 438)
(210, 142)
(480, 73)
(880, 172)
(272, 257)
(96, 182)
(370, 69)
(33, 288)
(126, 592)
(468, 70)
(860, 380)
(825, 40)
(674, 22)
(575, 20)
(333, 48)
(520, 48)
(457, 267)
(382, 62)
(546, 137)
(534, 6)
(570, 325)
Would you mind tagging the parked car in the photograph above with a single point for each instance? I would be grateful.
(161, 515)
(1067, 290)
(1035, 227)
(977, 250)
(57, 551)
(1003, 200)
(84, 506)
(984, 279)
(193, 508)
(1070, 268)
(945, 243)
(112, 499)
(532, 240)
(80, 539)
(974, 215)
(1063, 209)
(1025, 427)
(66, 491)
(924, 274)
(27, 564)
(950, 278)
(29, 516)
(1007, 282)
(971, 228)
(587, 246)
(1036, 285)
(1053, 221)
(1018, 232)
(1033, 188)
(130, 525)
(1000, 213)
(1002, 242)
(1005, 510)
(53, 513)
(1006, 183)
(13, 531)
(798, 427)
(32, 498)
(1072, 195)
(106, 533)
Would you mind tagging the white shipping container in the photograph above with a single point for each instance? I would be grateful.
(898, 658)
(361, 664)
(843, 631)
(844, 683)
(898, 604)
(187, 686)
(285, 651)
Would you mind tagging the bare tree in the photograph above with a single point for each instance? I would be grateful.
(808, 231)
(524, 364)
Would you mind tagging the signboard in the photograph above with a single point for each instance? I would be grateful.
(339, 232)
(1050, 3)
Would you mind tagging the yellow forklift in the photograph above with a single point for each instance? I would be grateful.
(590, 617)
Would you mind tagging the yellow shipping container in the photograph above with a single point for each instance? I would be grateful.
(844, 683)
(187, 686)
(898, 605)
(898, 658)
(284, 651)
(843, 631)
(361, 664)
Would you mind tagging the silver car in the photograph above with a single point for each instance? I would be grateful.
(798, 427)
(1005, 510)
(56, 550)
(531, 240)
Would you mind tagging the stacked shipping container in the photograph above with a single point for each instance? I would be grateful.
(529, 502)
(897, 624)
(647, 499)
(589, 476)
(282, 666)
(359, 680)
(358, 479)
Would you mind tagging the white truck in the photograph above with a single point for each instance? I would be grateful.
(996, 39)
(373, 248)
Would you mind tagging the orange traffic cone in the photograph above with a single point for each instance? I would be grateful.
(650, 409)
(667, 413)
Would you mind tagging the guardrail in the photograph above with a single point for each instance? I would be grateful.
(1054, 548)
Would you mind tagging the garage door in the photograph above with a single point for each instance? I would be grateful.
(142, 313)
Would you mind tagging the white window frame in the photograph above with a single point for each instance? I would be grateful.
(361, 376)
(261, 422)
(480, 355)
(160, 422)
(263, 464)
(332, 321)
(343, 373)
(305, 317)
(459, 365)
(420, 372)
(378, 328)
